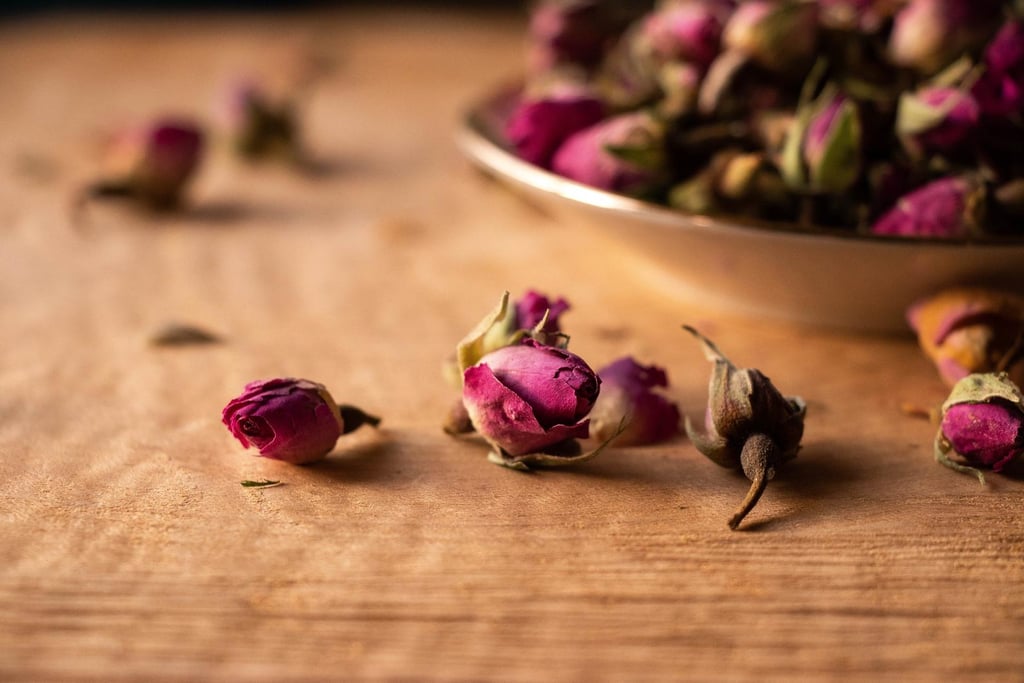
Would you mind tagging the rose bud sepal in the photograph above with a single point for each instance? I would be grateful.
(562, 454)
(748, 424)
(982, 423)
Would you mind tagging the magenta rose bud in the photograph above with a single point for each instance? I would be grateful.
(529, 397)
(293, 420)
(689, 32)
(621, 154)
(982, 424)
(937, 119)
(151, 163)
(569, 32)
(627, 392)
(537, 126)
(832, 146)
(1000, 88)
(948, 207)
(530, 310)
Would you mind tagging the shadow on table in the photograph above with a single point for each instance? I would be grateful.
(371, 458)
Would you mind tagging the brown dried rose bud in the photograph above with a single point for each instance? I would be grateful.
(971, 330)
(748, 424)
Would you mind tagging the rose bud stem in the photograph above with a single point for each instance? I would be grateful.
(354, 418)
(757, 459)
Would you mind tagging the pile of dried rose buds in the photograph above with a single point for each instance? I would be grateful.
(891, 118)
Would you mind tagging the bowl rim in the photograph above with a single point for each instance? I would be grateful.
(480, 137)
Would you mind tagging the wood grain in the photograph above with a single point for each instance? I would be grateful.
(129, 551)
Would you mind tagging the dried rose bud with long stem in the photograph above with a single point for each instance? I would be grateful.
(748, 424)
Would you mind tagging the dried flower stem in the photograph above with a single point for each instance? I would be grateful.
(758, 459)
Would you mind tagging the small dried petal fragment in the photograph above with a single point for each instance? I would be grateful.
(982, 424)
(971, 330)
(627, 394)
(748, 424)
(293, 420)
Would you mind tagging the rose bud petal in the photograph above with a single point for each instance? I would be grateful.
(151, 163)
(688, 32)
(626, 393)
(777, 35)
(259, 127)
(982, 424)
(293, 420)
(680, 84)
(748, 424)
(970, 330)
(538, 126)
(533, 306)
(622, 154)
(529, 397)
(948, 207)
(1000, 88)
(929, 34)
(936, 119)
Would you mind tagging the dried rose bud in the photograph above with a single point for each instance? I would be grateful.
(689, 32)
(748, 424)
(569, 32)
(627, 394)
(777, 35)
(971, 330)
(949, 207)
(259, 127)
(982, 424)
(1000, 89)
(680, 83)
(529, 397)
(538, 126)
(151, 163)
(622, 154)
(937, 119)
(867, 16)
(822, 152)
(929, 34)
(534, 308)
(293, 420)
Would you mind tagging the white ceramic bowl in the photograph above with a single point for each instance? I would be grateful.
(830, 278)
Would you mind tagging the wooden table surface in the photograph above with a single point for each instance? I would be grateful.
(129, 550)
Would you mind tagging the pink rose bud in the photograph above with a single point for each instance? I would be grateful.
(531, 308)
(293, 420)
(971, 330)
(982, 424)
(626, 392)
(936, 119)
(529, 397)
(832, 146)
(777, 35)
(929, 34)
(948, 207)
(748, 424)
(1000, 89)
(259, 127)
(569, 32)
(152, 163)
(538, 126)
(689, 32)
(622, 154)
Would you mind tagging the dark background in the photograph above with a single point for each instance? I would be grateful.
(40, 6)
